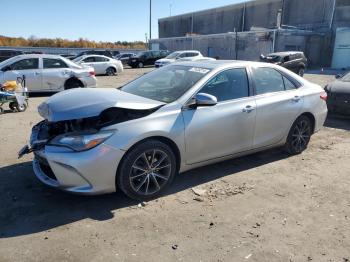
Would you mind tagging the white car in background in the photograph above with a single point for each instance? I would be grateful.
(47, 73)
(190, 55)
(102, 64)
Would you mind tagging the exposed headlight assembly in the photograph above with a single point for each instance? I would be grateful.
(81, 142)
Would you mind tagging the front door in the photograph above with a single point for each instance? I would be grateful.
(30, 69)
(223, 129)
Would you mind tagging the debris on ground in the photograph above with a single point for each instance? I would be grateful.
(199, 199)
(142, 204)
(174, 247)
(199, 191)
(248, 256)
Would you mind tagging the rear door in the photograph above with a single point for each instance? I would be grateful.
(55, 73)
(29, 68)
(101, 64)
(278, 102)
(225, 128)
(90, 61)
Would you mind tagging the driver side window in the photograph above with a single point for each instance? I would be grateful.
(228, 85)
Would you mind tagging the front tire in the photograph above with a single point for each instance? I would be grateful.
(140, 65)
(299, 136)
(147, 170)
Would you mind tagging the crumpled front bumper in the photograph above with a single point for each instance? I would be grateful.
(89, 172)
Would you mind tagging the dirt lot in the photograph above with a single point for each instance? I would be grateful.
(264, 207)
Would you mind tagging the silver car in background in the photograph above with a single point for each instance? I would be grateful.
(47, 73)
(171, 120)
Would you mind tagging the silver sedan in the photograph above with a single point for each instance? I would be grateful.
(171, 120)
(47, 73)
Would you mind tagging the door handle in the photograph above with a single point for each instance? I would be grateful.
(248, 109)
(296, 99)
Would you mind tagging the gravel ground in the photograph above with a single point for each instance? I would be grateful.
(264, 207)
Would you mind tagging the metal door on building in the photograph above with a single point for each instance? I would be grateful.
(341, 52)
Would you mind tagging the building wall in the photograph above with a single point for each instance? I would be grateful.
(308, 14)
(250, 45)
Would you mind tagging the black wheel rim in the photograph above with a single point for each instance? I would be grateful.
(150, 172)
(110, 71)
(301, 135)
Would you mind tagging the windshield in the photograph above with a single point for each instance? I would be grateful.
(173, 55)
(346, 78)
(166, 84)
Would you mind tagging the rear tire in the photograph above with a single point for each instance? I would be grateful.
(301, 71)
(140, 65)
(73, 83)
(146, 170)
(299, 136)
(110, 71)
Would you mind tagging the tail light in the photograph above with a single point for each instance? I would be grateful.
(324, 96)
(92, 73)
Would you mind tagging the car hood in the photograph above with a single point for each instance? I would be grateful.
(165, 60)
(339, 87)
(89, 102)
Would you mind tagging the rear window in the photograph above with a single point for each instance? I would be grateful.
(54, 63)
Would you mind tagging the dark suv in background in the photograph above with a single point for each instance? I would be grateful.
(6, 54)
(147, 58)
(293, 60)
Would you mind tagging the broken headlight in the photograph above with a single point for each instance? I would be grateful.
(81, 142)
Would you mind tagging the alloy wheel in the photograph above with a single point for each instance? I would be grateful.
(150, 172)
(301, 136)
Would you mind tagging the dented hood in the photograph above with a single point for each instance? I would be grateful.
(89, 102)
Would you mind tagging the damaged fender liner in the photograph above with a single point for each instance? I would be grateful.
(108, 117)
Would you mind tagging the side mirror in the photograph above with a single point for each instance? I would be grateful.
(338, 76)
(6, 68)
(203, 99)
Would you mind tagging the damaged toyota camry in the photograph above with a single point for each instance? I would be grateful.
(182, 116)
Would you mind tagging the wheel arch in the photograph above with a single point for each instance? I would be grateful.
(162, 139)
(73, 78)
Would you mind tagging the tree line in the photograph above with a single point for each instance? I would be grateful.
(59, 42)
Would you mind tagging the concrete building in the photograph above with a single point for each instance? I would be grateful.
(320, 28)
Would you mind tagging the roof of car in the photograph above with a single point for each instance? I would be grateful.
(84, 56)
(285, 53)
(213, 64)
(38, 56)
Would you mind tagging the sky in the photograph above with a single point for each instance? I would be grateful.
(100, 20)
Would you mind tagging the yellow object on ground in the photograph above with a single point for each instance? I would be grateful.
(10, 85)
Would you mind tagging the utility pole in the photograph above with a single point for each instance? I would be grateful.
(170, 6)
(150, 19)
